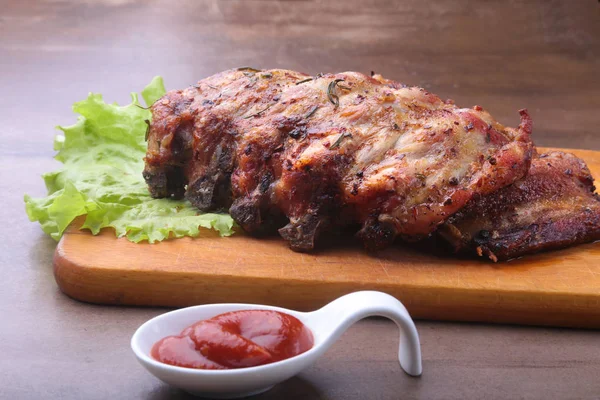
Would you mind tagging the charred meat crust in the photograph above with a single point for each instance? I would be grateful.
(328, 151)
(378, 233)
(303, 234)
(167, 181)
(553, 207)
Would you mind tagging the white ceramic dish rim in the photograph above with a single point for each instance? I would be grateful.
(207, 372)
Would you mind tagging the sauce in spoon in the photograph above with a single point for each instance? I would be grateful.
(237, 339)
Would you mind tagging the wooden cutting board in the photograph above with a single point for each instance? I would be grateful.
(560, 288)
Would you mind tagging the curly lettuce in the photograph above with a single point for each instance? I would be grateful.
(101, 178)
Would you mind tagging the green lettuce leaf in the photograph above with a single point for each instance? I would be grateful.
(101, 178)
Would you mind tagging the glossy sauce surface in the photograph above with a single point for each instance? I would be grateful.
(237, 339)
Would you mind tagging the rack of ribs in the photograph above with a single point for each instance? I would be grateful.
(304, 156)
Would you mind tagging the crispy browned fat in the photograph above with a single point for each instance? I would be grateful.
(278, 149)
(554, 206)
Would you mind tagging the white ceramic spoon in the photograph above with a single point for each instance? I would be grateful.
(327, 324)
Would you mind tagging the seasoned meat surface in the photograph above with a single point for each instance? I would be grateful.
(281, 150)
(554, 206)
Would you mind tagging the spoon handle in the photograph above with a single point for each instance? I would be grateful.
(336, 317)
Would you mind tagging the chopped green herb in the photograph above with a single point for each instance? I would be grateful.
(333, 98)
(147, 121)
(304, 81)
(258, 113)
(338, 141)
(248, 69)
(311, 112)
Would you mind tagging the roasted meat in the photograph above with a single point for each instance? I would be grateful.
(554, 206)
(306, 155)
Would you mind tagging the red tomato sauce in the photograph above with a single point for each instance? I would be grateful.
(237, 339)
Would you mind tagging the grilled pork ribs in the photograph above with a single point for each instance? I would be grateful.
(280, 150)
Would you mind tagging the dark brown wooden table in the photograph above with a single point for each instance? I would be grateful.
(543, 55)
